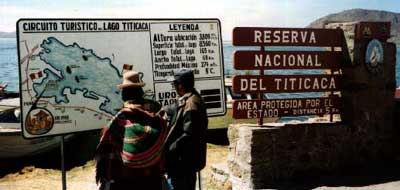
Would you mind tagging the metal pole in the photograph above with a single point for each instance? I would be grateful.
(63, 173)
(199, 176)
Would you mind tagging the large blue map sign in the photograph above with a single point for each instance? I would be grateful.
(70, 68)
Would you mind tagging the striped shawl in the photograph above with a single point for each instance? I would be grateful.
(135, 138)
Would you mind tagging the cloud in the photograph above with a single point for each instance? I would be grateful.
(283, 13)
(10, 14)
(163, 9)
(232, 13)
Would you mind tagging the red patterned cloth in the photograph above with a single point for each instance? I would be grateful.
(137, 136)
(130, 148)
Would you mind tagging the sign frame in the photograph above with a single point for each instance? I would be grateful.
(284, 37)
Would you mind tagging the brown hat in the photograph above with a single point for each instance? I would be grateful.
(131, 79)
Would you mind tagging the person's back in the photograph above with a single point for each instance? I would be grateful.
(130, 151)
(129, 154)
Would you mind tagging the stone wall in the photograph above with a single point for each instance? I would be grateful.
(264, 157)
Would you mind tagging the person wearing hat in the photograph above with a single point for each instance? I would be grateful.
(129, 154)
(185, 147)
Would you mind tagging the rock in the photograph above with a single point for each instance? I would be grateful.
(357, 15)
(220, 176)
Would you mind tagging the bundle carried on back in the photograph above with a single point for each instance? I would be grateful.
(131, 144)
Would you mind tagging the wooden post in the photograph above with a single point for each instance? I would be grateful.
(261, 95)
(332, 92)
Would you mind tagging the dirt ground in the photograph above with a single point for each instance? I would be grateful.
(82, 177)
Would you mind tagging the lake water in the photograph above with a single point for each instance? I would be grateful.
(8, 63)
(9, 66)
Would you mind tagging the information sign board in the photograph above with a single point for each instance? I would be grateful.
(287, 60)
(70, 68)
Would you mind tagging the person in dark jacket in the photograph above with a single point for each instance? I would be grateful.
(186, 147)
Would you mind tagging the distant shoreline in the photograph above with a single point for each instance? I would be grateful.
(225, 42)
(8, 35)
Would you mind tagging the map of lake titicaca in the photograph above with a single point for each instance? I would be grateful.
(78, 69)
(69, 86)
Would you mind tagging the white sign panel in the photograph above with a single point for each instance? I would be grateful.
(70, 68)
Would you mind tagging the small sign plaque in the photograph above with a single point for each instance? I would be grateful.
(271, 60)
(371, 30)
(247, 109)
(265, 36)
(285, 83)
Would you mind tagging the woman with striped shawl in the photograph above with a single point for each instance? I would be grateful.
(129, 155)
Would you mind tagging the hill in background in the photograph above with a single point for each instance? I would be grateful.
(7, 35)
(356, 15)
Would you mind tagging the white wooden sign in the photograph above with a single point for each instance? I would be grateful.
(70, 68)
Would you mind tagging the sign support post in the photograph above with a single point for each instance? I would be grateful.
(260, 94)
(199, 176)
(332, 92)
(63, 172)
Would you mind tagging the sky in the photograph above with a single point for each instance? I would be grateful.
(264, 13)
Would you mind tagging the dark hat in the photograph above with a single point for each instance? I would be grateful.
(184, 77)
